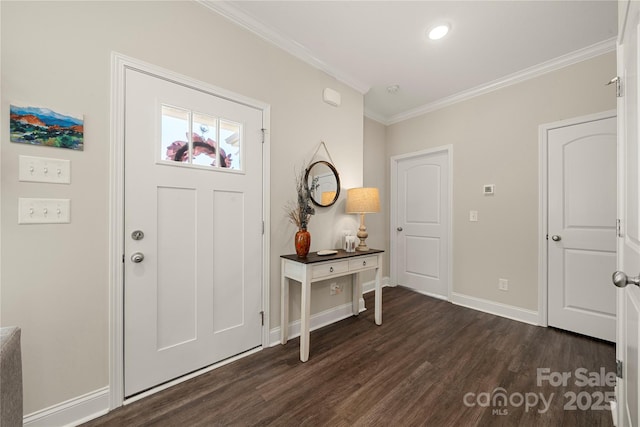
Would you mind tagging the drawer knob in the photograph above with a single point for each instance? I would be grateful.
(364, 262)
(330, 269)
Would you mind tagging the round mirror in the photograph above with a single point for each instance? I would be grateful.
(323, 182)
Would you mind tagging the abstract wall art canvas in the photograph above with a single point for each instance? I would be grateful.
(42, 126)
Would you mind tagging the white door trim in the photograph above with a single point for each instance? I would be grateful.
(448, 149)
(543, 181)
(119, 63)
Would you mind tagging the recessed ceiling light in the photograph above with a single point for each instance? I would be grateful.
(438, 32)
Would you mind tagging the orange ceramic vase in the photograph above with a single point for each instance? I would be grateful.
(303, 242)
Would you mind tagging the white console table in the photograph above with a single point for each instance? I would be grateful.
(315, 268)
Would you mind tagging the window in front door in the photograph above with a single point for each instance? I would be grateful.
(194, 139)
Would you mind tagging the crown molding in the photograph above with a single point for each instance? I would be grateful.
(368, 113)
(579, 55)
(235, 15)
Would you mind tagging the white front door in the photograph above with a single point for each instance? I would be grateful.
(628, 330)
(193, 230)
(421, 187)
(582, 227)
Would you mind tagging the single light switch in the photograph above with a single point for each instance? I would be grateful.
(42, 169)
(473, 216)
(44, 211)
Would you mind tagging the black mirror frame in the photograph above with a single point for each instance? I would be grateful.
(335, 174)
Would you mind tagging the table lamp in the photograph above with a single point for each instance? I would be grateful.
(362, 201)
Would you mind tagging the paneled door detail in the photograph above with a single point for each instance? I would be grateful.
(193, 230)
(422, 223)
(582, 227)
(628, 321)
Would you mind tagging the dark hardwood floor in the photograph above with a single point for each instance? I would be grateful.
(418, 368)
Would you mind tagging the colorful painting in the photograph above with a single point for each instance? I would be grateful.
(42, 126)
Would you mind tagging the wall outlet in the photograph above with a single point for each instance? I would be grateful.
(473, 216)
(503, 284)
(335, 289)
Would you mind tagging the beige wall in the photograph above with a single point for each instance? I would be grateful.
(54, 281)
(495, 141)
(375, 165)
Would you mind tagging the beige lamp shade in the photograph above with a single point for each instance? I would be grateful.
(363, 200)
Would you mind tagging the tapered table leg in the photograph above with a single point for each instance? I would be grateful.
(305, 308)
(378, 312)
(356, 285)
(284, 309)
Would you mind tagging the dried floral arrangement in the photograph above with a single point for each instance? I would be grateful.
(299, 213)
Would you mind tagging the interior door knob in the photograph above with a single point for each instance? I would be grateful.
(399, 228)
(556, 238)
(137, 257)
(620, 279)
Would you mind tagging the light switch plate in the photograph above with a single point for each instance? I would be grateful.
(473, 216)
(44, 211)
(42, 169)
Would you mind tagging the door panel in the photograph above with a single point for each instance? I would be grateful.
(176, 305)
(582, 267)
(193, 185)
(582, 212)
(228, 301)
(422, 223)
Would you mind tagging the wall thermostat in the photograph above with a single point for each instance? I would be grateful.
(488, 189)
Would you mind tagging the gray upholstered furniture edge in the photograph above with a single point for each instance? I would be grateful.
(10, 377)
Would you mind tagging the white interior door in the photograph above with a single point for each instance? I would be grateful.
(422, 223)
(628, 330)
(582, 227)
(193, 188)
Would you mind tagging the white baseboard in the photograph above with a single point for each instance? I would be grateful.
(499, 309)
(325, 317)
(72, 412)
(371, 286)
(429, 294)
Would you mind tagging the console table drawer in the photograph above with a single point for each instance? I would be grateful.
(363, 262)
(328, 269)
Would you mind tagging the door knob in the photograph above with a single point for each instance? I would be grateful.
(556, 238)
(399, 228)
(621, 280)
(137, 257)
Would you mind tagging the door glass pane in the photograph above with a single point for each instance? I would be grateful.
(230, 144)
(175, 134)
(205, 131)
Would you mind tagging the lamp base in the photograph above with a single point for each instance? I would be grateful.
(362, 235)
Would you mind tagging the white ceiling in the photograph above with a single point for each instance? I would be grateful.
(371, 45)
